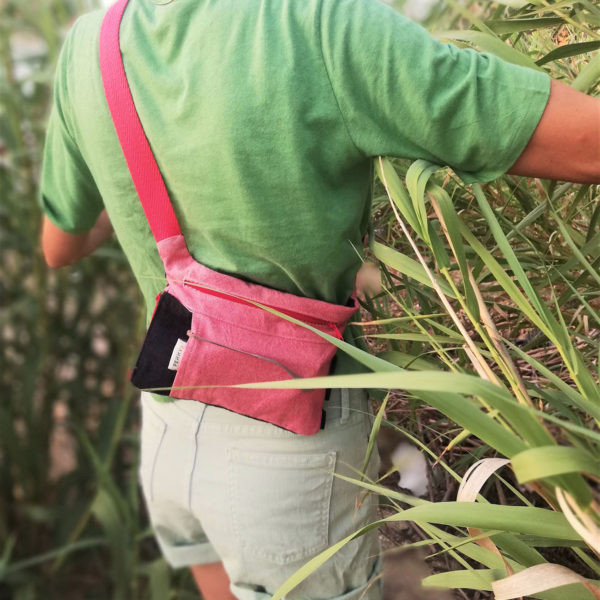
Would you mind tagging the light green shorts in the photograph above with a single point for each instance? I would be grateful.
(264, 501)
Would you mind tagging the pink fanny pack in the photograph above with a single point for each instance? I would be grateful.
(207, 330)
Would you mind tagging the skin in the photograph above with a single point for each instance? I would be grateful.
(212, 581)
(61, 249)
(565, 146)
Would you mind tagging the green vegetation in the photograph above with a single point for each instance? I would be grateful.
(489, 314)
(71, 524)
(489, 320)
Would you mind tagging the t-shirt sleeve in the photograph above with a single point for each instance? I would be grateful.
(68, 193)
(403, 93)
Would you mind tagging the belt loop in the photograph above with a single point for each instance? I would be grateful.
(345, 402)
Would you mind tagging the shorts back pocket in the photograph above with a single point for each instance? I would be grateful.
(281, 502)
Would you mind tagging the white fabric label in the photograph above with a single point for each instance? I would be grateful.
(177, 354)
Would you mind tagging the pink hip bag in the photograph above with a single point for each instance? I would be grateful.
(207, 330)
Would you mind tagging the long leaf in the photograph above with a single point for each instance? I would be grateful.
(407, 266)
(501, 27)
(548, 461)
(492, 44)
(535, 521)
(589, 76)
(567, 51)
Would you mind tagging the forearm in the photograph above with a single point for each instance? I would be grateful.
(566, 144)
(61, 248)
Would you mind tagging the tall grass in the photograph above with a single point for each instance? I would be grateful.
(489, 314)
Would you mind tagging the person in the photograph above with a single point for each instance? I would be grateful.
(264, 117)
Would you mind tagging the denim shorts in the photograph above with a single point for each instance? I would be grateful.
(222, 487)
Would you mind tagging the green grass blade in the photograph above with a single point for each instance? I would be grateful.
(426, 381)
(533, 521)
(517, 519)
(451, 226)
(417, 178)
(397, 191)
(502, 27)
(312, 565)
(407, 266)
(493, 45)
(475, 579)
(548, 461)
(567, 51)
(481, 579)
(463, 411)
(373, 435)
(588, 76)
(160, 579)
(509, 254)
(108, 514)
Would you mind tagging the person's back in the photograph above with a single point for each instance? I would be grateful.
(240, 115)
(246, 106)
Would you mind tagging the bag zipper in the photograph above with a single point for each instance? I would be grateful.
(240, 300)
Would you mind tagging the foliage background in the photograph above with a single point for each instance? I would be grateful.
(71, 525)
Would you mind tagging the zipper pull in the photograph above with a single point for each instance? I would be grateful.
(156, 303)
(336, 332)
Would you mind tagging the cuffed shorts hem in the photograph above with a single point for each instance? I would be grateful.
(371, 590)
(187, 556)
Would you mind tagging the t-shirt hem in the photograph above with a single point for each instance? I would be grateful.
(73, 230)
(536, 107)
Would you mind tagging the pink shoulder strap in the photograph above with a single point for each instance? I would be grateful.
(143, 168)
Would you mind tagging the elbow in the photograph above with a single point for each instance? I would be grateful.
(57, 254)
(59, 248)
(50, 262)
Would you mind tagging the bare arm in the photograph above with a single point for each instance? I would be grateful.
(566, 143)
(61, 248)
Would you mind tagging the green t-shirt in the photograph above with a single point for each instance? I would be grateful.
(264, 116)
